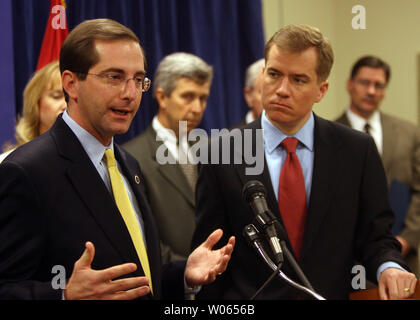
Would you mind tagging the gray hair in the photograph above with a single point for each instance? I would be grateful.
(252, 72)
(180, 65)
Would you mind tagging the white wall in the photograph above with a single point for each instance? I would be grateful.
(392, 33)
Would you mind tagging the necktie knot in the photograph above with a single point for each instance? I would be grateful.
(110, 158)
(290, 144)
(367, 128)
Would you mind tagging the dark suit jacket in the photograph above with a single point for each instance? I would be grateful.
(348, 218)
(401, 160)
(52, 200)
(239, 124)
(170, 196)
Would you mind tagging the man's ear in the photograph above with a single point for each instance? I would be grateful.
(247, 95)
(349, 85)
(161, 98)
(322, 90)
(70, 84)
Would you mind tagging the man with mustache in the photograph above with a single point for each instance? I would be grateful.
(398, 141)
(181, 87)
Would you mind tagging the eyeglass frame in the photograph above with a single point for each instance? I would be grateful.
(366, 84)
(145, 81)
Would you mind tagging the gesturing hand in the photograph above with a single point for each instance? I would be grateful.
(204, 264)
(86, 283)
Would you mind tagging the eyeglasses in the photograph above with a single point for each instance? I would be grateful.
(367, 83)
(117, 80)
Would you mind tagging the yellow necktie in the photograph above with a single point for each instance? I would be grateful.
(127, 212)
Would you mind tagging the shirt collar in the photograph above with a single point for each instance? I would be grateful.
(358, 123)
(249, 117)
(273, 136)
(92, 146)
(163, 133)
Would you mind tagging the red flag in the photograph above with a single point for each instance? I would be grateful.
(55, 33)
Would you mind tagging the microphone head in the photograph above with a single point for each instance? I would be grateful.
(252, 188)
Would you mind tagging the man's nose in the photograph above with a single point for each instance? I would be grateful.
(284, 87)
(197, 105)
(130, 90)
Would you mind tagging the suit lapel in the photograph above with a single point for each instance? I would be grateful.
(174, 176)
(171, 173)
(131, 172)
(264, 178)
(344, 120)
(102, 207)
(93, 192)
(324, 178)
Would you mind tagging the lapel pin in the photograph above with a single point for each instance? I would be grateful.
(137, 179)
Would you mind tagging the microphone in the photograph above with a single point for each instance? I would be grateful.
(254, 193)
(251, 234)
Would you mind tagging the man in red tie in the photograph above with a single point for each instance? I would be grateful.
(325, 185)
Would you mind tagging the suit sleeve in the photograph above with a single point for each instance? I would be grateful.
(210, 215)
(411, 232)
(22, 240)
(375, 243)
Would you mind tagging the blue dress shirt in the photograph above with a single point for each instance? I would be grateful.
(96, 150)
(275, 156)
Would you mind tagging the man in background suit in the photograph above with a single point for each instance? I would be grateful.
(181, 87)
(252, 92)
(58, 197)
(334, 209)
(397, 140)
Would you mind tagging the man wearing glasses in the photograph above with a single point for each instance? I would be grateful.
(181, 87)
(397, 141)
(73, 200)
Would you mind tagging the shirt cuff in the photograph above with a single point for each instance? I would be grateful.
(386, 265)
(190, 290)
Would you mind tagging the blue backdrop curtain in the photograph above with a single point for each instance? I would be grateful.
(7, 89)
(228, 34)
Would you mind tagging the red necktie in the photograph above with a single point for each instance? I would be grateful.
(292, 196)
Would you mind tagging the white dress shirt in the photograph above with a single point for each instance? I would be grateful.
(358, 123)
(170, 140)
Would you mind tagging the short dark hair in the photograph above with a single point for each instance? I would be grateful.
(78, 52)
(372, 62)
(298, 38)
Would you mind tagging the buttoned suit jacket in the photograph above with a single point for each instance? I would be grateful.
(401, 160)
(52, 200)
(348, 218)
(170, 196)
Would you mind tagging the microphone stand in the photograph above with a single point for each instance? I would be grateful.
(251, 233)
(293, 262)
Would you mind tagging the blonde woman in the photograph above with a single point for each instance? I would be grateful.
(43, 101)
